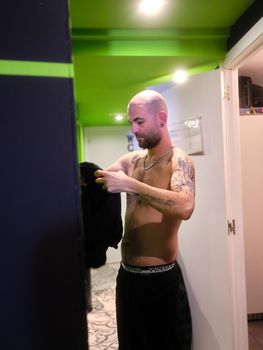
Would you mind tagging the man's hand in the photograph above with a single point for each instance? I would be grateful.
(113, 181)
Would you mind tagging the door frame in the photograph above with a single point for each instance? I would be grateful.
(249, 44)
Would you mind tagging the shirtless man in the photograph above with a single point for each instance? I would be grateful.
(151, 300)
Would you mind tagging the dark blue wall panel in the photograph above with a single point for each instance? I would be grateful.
(41, 267)
(34, 30)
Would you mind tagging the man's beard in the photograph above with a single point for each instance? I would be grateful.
(149, 142)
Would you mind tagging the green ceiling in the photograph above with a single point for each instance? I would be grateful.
(117, 52)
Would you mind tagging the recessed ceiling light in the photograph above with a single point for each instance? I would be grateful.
(118, 117)
(151, 7)
(180, 76)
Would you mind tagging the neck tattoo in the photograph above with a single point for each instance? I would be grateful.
(157, 161)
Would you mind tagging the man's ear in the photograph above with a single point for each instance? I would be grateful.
(162, 118)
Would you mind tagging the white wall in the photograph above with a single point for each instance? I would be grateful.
(251, 131)
(102, 146)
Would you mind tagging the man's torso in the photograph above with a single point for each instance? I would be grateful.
(150, 237)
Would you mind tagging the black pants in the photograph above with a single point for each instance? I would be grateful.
(153, 311)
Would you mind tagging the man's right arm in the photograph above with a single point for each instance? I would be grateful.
(124, 162)
(115, 176)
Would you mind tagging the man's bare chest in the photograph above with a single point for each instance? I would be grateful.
(157, 176)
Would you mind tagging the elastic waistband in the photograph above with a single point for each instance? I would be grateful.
(148, 269)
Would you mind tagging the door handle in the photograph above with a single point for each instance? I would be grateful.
(231, 226)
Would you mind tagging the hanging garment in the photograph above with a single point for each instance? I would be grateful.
(102, 222)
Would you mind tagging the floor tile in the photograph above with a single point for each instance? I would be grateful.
(255, 332)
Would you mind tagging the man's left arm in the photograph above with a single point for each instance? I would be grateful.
(180, 200)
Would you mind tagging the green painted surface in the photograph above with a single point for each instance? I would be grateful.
(29, 68)
(80, 143)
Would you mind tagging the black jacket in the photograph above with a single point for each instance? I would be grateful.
(102, 222)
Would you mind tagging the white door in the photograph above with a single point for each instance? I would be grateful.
(206, 248)
(234, 208)
(251, 42)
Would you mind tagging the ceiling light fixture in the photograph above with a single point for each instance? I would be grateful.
(151, 7)
(180, 76)
(118, 117)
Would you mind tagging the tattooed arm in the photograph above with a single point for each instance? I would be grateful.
(179, 201)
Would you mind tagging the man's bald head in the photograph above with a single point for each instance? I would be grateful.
(153, 101)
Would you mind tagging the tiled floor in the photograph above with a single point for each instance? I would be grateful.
(101, 320)
(255, 333)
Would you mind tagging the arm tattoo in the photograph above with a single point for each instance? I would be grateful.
(162, 202)
(181, 178)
